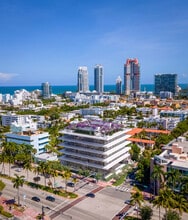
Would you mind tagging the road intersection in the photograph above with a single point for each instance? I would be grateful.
(108, 203)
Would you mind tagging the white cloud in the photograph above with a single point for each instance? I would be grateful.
(7, 76)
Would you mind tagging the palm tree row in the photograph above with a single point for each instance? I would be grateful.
(171, 189)
(12, 153)
(172, 179)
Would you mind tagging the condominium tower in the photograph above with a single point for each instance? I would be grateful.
(131, 76)
(99, 78)
(82, 85)
(119, 85)
(165, 82)
(46, 90)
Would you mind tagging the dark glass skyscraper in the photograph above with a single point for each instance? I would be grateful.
(131, 76)
(99, 78)
(166, 83)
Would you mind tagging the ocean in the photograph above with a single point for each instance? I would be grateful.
(62, 89)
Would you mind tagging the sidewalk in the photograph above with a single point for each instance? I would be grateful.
(22, 213)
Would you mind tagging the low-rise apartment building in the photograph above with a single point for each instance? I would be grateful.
(174, 156)
(182, 114)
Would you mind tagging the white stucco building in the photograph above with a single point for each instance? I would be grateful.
(37, 139)
(95, 145)
(24, 131)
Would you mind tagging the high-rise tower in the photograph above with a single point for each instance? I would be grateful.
(83, 85)
(131, 76)
(165, 83)
(119, 85)
(46, 90)
(99, 78)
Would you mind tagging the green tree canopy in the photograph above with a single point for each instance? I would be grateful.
(135, 152)
(171, 215)
(146, 212)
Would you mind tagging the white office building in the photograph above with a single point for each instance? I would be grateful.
(24, 131)
(9, 118)
(37, 139)
(95, 145)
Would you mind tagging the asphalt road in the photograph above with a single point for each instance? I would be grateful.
(108, 201)
(26, 193)
(106, 204)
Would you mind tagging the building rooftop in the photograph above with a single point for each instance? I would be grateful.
(138, 130)
(95, 126)
(182, 164)
(28, 133)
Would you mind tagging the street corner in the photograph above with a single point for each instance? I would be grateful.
(22, 212)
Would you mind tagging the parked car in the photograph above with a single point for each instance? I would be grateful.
(91, 195)
(18, 169)
(36, 199)
(70, 184)
(50, 198)
(128, 202)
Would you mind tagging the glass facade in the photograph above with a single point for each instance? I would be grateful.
(98, 79)
(165, 82)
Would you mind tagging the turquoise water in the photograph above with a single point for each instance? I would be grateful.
(62, 89)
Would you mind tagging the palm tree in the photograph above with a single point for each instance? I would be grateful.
(74, 180)
(157, 176)
(180, 203)
(98, 176)
(171, 215)
(146, 213)
(164, 199)
(3, 159)
(53, 173)
(17, 182)
(137, 198)
(36, 170)
(10, 151)
(44, 170)
(172, 178)
(66, 176)
(27, 166)
(158, 202)
(33, 152)
(184, 185)
(10, 160)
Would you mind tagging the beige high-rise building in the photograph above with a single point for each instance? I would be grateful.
(131, 76)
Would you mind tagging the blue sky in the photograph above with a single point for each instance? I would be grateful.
(47, 40)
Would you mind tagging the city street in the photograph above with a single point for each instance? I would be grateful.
(107, 203)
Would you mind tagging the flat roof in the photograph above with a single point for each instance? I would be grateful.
(45, 156)
(177, 163)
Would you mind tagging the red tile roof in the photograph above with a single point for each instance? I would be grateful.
(141, 140)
